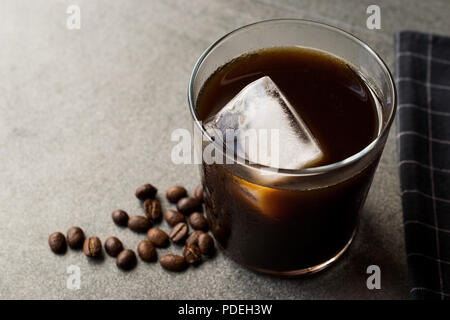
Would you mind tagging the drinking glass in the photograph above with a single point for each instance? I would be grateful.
(305, 221)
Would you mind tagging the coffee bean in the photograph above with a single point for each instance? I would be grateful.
(57, 242)
(146, 251)
(75, 237)
(198, 221)
(179, 232)
(198, 192)
(192, 254)
(175, 193)
(174, 217)
(113, 246)
(206, 244)
(126, 260)
(193, 238)
(120, 217)
(92, 247)
(158, 237)
(152, 208)
(139, 223)
(173, 262)
(187, 205)
(146, 191)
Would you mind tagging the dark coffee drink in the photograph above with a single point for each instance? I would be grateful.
(277, 228)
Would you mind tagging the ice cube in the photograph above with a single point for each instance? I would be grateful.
(282, 140)
(260, 125)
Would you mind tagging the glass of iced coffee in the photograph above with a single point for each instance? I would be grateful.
(294, 116)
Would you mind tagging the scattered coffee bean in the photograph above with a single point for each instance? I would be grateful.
(113, 246)
(188, 205)
(92, 247)
(146, 191)
(152, 208)
(175, 193)
(139, 223)
(198, 221)
(197, 243)
(193, 238)
(173, 262)
(158, 237)
(179, 232)
(75, 237)
(173, 217)
(192, 254)
(146, 251)
(120, 217)
(198, 192)
(57, 242)
(126, 260)
(206, 244)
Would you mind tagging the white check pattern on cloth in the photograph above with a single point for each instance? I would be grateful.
(424, 157)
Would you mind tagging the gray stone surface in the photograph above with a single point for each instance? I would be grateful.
(86, 116)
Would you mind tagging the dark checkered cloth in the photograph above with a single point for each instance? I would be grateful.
(423, 135)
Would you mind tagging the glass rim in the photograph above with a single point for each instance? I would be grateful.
(305, 171)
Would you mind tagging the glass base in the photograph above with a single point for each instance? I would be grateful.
(305, 271)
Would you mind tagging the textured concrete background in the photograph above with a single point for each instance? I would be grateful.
(86, 116)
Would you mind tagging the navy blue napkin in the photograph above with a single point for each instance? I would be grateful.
(423, 135)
